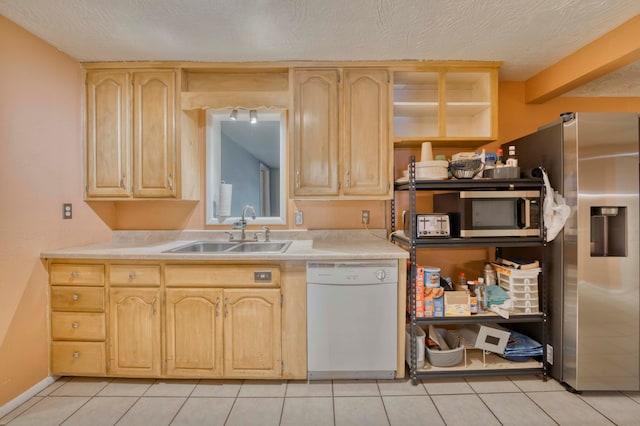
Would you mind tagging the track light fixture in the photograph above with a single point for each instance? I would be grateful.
(253, 116)
(234, 115)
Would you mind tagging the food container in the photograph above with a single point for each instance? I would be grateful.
(502, 173)
(431, 276)
(432, 170)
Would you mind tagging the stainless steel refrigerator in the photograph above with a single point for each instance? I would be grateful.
(593, 264)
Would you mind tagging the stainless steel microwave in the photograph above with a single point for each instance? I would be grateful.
(492, 213)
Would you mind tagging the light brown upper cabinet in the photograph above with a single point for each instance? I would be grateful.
(131, 134)
(341, 135)
(452, 106)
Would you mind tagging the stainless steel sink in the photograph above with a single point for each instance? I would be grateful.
(203, 247)
(261, 247)
(232, 247)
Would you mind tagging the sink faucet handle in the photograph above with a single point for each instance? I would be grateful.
(230, 235)
(266, 233)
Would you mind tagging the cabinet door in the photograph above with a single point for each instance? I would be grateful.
(134, 332)
(154, 134)
(315, 133)
(252, 333)
(366, 148)
(194, 332)
(108, 170)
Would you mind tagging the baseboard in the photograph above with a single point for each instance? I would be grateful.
(26, 395)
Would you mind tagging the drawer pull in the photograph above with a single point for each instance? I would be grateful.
(132, 275)
(74, 274)
(75, 324)
(76, 355)
(75, 297)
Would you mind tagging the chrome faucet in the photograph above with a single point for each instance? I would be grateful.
(242, 223)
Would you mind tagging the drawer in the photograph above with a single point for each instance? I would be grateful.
(143, 275)
(77, 299)
(73, 274)
(77, 326)
(222, 276)
(78, 358)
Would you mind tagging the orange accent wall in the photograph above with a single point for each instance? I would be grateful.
(40, 168)
(518, 119)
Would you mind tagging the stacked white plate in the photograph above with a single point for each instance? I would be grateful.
(432, 170)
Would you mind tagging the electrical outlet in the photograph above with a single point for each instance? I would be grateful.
(298, 218)
(365, 217)
(550, 354)
(67, 212)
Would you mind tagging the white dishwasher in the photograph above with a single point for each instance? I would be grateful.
(352, 319)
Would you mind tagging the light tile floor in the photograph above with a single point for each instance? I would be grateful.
(518, 400)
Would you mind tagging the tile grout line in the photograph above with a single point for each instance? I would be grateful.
(333, 402)
(226, 420)
(184, 402)
(536, 404)
(80, 407)
(284, 398)
(601, 413)
(384, 407)
(134, 403)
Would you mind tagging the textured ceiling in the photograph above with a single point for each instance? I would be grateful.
(527, 35)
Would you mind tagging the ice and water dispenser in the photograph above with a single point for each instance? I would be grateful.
(608, 231)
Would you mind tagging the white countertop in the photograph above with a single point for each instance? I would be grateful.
(306, 245)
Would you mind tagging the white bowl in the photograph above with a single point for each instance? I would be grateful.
(432, 170)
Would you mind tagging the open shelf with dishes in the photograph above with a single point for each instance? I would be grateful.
(476, 362)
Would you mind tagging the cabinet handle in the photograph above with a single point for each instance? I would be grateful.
(75, 324)
(132, 275)
(226, 302)
(75, 297)
(170, 181)
(74, 274)
(76, 355)
(298, 179)
(217, 308)
(122, 181)
(347, 179)
(153, 305)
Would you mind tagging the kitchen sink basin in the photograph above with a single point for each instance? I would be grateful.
(203, 247)
(260, 247)
(232, 247)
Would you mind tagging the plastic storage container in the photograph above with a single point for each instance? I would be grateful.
(522, 286)
(420, 338)
(446, 358)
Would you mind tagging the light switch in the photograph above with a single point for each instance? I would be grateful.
(67, 212)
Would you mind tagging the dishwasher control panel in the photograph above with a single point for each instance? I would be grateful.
(353, 272)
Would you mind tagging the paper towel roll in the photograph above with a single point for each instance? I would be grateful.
(224, 200)
(427, 153)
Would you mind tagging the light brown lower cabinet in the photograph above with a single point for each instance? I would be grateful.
(194, 332)
(175, 321)
(233, 333)
(77, 319)
(252, 333)
(135, 332)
